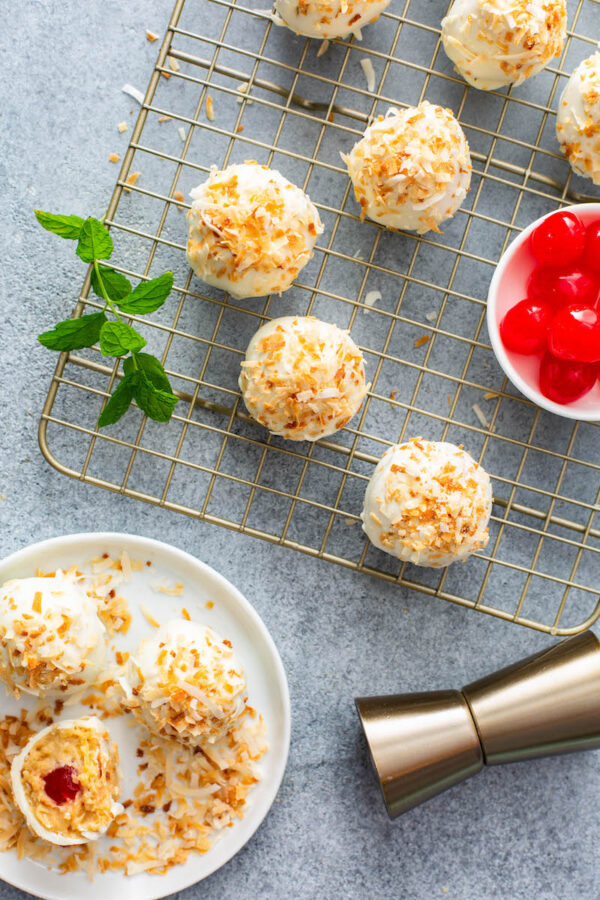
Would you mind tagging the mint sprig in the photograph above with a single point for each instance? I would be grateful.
(145, 380)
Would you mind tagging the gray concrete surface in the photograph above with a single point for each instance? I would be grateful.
(523, 831)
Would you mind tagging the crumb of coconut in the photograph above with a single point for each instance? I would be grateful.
(173, 64)
(150, 36)
(491, 395)
(165, 118)
(393, 394)
(181, 131)
(239, 129)
(210, 110)
(331, 116)
(431, 316)
(186, 614)
(323, 48)
(449, 400)
(209, 604)
(122, 126)
(369, 73)
(422, 340)
(480, 415)
(176, 591)
(372, 297)
(149, 617)
(113, 157)
(350, 521)
(132, 179)
(133, 92)
(178, 195)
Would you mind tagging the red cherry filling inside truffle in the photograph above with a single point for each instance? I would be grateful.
(61, 785)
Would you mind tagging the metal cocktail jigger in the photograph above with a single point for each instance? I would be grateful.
(421, 744)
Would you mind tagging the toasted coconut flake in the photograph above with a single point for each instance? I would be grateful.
(122, 126)
(182, 135)
(422, 340)
(210, 110)
(149, 617)
(480, 415)
(150, 36)
(113, 157)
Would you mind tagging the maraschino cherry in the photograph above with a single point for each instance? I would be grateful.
(561, 286)
(575, 334)
(524, 328)
(559, 240)
(563, 381)
(61, 785)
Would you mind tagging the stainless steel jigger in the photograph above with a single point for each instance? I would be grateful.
(422, 744)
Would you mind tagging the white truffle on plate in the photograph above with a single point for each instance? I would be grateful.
(328, 19)
(303, 379)
(250, 230)
(428, 503)
(66, 781)
(185, 684)
(578, 119)
(52, 642)
(411, 169)
(494, 43)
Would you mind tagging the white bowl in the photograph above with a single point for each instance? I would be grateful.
(506, 289)
(232, 616)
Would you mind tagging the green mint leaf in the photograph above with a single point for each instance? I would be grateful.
(118, 402)
(73, 334)
(148, 296)
(152, 369)
(156, 403)
(115, 284)
(94, 241)
(117, 339)
(68, 227)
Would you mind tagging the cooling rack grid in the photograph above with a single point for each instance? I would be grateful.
(428, 356)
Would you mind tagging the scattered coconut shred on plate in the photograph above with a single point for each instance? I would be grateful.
(132, 91)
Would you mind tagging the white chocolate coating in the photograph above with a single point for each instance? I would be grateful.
(52, 642)
(578, 119)
(328, 19)
(105, 746)
(494, 43)
(250, 230)
(428, 503)
(411, 169)
(184, 683)
(303, 379)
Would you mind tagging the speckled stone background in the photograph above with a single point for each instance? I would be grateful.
(522, 831)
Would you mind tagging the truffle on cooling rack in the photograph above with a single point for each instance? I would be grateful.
(303, 379)
(184, 683)
(411, 169)
(250, 230)
(52, 642)
(328, 18)
(578, 119)
(428, 503)
(66, 781)
(493, 43)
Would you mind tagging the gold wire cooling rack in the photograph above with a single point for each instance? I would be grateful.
(278, 100)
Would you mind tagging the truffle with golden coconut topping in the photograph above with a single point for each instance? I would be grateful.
(494, 43)
(578, 119)
(250, 230)
(428, 503)
(328, 18)
(411, 169)
(52, 642)
(184, 683)
(303, 379)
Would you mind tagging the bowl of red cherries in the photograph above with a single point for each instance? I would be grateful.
(543, 312)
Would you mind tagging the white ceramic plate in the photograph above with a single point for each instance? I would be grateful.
(233, 618)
